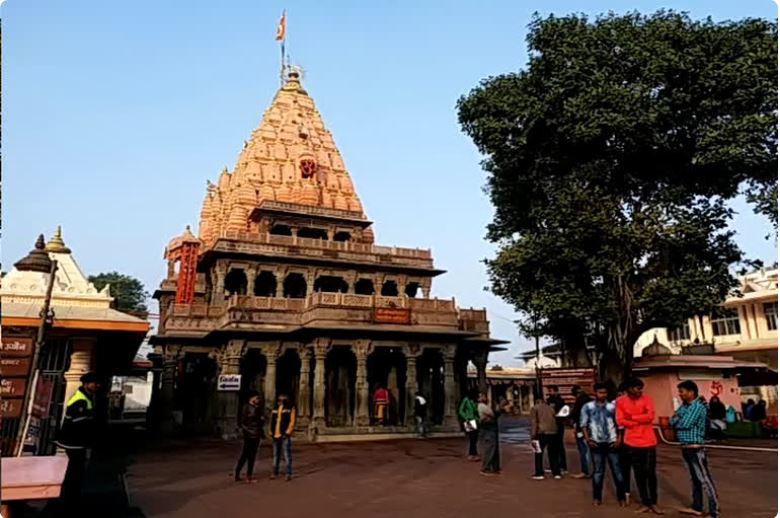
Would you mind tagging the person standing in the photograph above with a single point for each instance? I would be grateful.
(624, 452)
(581, 398)
(544, 429)
(77, 436)
(635, 413)
(469, 416)
(252, 424)
(381, 402)
(717, 417)
(598, 425)
(557, 403)
(690, 423)
(488, 434)
(421, 415)
(282, 426)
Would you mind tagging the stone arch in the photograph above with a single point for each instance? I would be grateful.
(342, 235)
(412, 289)
(313, 233)
(236, 282)
(331, 284)
(386, 366)
(295, 286)
(265, 284)
(364, 287)
(389, 288)
(281, 229)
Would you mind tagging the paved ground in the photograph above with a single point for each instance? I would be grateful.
(414, 479)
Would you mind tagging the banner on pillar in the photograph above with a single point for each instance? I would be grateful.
(229, 382)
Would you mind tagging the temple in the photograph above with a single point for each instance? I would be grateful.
(284, 286)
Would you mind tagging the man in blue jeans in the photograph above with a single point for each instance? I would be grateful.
(282, 426)
(581, 398)
(600, 430)
(690, 423)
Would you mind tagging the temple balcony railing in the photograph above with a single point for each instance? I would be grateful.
(337, 307)
(347, 250)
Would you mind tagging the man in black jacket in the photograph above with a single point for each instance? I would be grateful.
(76, 437)
(252, 423)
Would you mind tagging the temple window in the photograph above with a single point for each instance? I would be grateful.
(342, 236)
(389, 289)
(281, 230)
(364, 287)
(412, 289)
(330, 284)
(770, 314)
(265, 285)
(235, 282)
(313, 233)
(295, 286)
(308, 168)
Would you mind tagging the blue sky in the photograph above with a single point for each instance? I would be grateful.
(116, 113)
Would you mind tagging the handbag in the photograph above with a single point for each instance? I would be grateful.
(470, 425)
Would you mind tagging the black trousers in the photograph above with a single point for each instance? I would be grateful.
(473, 437)
(248, 454)
(643, 462)
(70, 495)
(561, 449)
(550, 443)
(625, 467)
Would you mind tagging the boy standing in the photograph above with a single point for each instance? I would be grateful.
(690, 423)
(282, 426)
(544, 429)
(597, 423)
(252, 423)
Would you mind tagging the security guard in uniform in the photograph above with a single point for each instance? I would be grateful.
(76, 436)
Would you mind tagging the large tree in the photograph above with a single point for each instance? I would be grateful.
(610, 162)
(128, 292)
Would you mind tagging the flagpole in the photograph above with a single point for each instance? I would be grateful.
(281, 69)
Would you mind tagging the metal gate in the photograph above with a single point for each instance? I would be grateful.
(55, 360)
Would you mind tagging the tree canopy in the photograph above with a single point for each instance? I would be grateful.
(128, 292)
(610, 162)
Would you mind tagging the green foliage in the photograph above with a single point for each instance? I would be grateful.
(609, 161)
(128, 292)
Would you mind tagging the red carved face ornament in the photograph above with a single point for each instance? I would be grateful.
(308, 167)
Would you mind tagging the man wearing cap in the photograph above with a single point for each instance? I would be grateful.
(76, 436)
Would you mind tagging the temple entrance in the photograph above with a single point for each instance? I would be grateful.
(386, 367)
(194, 397)
(340, 375)
(288, 374)
(430, 379)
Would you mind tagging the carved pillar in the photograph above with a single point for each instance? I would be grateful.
(170, 361)
(320, 347)
(220, 271)
(81, 362)
(450, 397)
(480, 362)
(362, 348)
(304, 386)
(412, 351)
(271, 353)
(229, 362)
(279, 275)
(251, 277)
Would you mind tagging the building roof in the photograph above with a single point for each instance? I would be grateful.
(77, 317)
(290, 158)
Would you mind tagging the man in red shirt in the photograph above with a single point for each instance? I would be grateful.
(636, 413)
(381, 402)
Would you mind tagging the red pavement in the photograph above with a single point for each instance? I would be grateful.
(415, 479)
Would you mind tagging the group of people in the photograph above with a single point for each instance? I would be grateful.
(280, 430)
(619, 433)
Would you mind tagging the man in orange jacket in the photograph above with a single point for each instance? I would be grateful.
(282, 427)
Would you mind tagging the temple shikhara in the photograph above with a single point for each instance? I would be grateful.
(285, 286)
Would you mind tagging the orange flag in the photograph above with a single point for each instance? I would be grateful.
(282, 28)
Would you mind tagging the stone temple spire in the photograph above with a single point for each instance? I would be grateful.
(291, 157)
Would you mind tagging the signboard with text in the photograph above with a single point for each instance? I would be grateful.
(14, 367)
(229, 382)
(401, 316)
(13, 387)
(10, 408)
(565, 379)
(16, 346)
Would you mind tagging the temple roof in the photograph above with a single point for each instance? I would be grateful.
(290, 158)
